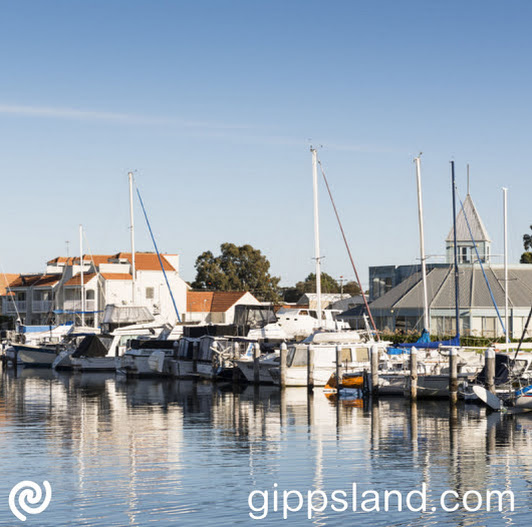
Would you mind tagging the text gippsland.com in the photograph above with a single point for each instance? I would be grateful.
(263, 503)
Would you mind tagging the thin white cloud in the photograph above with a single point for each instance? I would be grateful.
(91, 115)
(202, 128)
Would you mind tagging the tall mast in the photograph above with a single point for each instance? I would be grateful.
(316, 231)
(132, 232)
(426, 318)
(81, 275)
(456, 289)
(505, 213)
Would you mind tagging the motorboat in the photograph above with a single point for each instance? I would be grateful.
(148, 358)
(354, 355)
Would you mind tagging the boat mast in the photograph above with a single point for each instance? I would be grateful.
(426, 318)
(456, 289)
(317, 256)
(81, 275)
(505, 213)
(132, 232)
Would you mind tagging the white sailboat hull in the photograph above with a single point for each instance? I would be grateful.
(36, 357)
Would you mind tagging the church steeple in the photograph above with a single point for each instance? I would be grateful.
(466, 250)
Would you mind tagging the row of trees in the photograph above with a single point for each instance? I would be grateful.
(244, 268)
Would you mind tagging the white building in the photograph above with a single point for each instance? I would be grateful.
(106, 279)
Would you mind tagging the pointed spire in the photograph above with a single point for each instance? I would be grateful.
(480, 234)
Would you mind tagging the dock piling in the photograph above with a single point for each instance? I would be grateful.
(338, 376)
(413, 374)
(256, 365)
(490, 370)
(374, 355)
(282, 367)
(453, 376)
(310, 367)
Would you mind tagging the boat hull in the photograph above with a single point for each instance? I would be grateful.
(144, 366)
(34, 357)
(97, 364)
(182, 369)
(247, 369)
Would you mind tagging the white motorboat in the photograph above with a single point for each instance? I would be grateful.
(121, 339)
(354, 355)
(298, 324)
(209, 357)
(148, 358)
(36, 356)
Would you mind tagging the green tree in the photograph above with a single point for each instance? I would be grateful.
(241, 268)
(526, 257)
(328, 284)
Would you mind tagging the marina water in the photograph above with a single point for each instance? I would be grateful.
(152, 452)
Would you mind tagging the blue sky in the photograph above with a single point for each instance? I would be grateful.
(215, 104)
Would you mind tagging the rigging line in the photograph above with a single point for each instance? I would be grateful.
(349, 251)
(523, 335)
(158, 256)
(481, 266)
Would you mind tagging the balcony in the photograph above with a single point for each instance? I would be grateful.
(75, 305)
(41, 306)
(11, 308)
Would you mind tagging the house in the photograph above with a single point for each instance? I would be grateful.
(397, 292)
(105, 279)
(6, 279)
(216, 307)
(31, 299)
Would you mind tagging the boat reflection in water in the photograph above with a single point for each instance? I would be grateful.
(172, 452)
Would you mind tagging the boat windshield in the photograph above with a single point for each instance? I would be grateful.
(297, 356)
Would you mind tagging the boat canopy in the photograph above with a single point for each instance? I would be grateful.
(425, 342)
(93, 346)
(126, 315)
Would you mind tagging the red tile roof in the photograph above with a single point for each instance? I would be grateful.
(117, 276)
(146, 261)
(5, 281)
(199, 301)
(36, 280)
(212, 301)
(143, 261)
(76, 279)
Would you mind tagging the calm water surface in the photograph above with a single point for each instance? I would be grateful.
(170, 453)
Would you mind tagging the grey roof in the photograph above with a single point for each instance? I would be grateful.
(473, 290)
(478, 230)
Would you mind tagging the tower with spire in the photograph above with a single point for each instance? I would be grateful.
(469, 227)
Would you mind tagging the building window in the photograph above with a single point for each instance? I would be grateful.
(149, 293)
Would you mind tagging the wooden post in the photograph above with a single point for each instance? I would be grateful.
(338, 375)
(413, 374)
(453, 376)
(374, 355)
(256, 365)
(236, 356)
(490, 370)
(282, 366)
(195, 351)
(310, 367)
